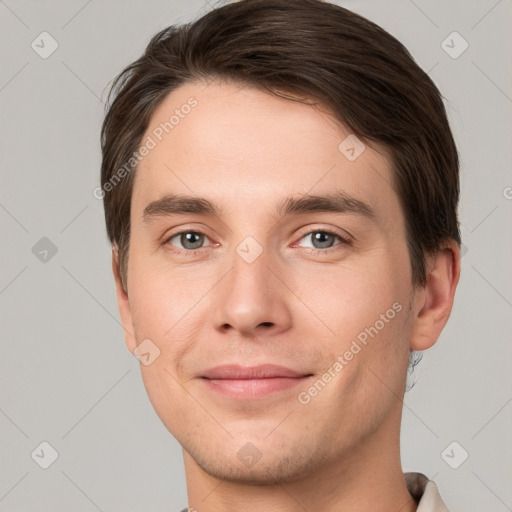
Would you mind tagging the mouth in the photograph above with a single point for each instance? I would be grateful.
(252, 382)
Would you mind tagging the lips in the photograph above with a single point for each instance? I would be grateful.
(249, 383)
(266, 371)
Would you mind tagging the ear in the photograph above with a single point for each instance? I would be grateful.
(433, 303)
(123, 303)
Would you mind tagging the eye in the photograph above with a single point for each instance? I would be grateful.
(189, 240)
(324, 239)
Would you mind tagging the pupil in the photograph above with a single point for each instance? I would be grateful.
(320, 237)
(187, 238)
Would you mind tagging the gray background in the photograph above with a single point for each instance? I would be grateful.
(65, 375)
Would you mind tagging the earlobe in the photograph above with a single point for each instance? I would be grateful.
(434, 302)
(123, 304)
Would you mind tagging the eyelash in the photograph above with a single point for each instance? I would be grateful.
(192, 252)
(185, 252)
(344, 240)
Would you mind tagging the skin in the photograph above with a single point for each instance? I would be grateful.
(297, 304)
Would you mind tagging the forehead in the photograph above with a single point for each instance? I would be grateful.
(239, 146)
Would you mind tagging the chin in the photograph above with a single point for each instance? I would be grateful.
(268, 468)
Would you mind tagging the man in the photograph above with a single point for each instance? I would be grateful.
(280, 187)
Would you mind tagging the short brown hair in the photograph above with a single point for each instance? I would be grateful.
(309, 48)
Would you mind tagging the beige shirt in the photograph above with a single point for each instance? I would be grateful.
(425, 492)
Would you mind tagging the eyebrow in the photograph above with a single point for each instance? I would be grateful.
(338, 202)
(175, 204)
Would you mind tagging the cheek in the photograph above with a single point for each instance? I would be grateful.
(166, 307)
(349, 298)
(370, 374)
(161, 301)
(367, 311)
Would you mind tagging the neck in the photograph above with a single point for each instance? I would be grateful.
(367, 478)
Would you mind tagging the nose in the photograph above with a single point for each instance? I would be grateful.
(253, 298)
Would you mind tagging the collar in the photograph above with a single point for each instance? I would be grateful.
(425, 492)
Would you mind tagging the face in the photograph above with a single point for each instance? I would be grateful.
(254, 269)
